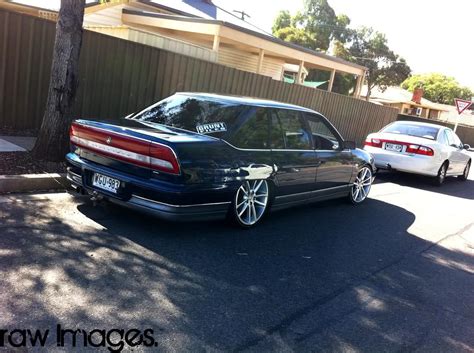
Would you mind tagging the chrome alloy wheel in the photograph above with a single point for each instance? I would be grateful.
(251, 201)
(361, 187)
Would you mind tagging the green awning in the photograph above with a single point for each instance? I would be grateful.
(313, 84)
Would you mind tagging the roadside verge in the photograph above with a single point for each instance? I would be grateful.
(32, 182)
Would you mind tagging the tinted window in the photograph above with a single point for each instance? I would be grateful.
(253, 133)
(288, 131)
(192, 113)
(323, 137)
(405, 128)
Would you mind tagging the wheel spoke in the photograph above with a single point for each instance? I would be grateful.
(240, 204)
(261, 195)
(260, 203)
(366, 170)
(243, 210)
(357, 194)
(257, 187)
(244, 191)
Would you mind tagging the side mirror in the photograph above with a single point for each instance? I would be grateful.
(351, 145)
(466, 146)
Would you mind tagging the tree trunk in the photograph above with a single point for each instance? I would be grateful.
(369, 91)
(52, 143)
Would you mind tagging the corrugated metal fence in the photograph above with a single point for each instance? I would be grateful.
(118, 77)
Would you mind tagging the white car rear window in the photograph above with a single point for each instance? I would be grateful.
(428, 132)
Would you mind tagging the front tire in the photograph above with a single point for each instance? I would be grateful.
(251, 202)
(465, 174)
(361, 186)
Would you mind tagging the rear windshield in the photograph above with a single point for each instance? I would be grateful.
(428, 132)
(193, 114)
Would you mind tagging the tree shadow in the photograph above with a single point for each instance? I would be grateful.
(307, 277)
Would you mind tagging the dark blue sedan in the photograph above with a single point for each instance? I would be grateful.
(205, 156)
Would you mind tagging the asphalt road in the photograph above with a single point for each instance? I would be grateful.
(392, 275)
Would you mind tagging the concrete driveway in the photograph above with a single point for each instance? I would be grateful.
(392, 275)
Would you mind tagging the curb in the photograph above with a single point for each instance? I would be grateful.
(32, 182)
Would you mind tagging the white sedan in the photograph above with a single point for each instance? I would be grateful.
(420, 148)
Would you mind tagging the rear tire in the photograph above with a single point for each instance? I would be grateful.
(361, 186)
(250, 204)
(441, 177)
(465, 174)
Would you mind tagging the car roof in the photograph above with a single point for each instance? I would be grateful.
(422, 124)
(245, 101)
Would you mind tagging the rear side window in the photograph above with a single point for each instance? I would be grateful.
(253, 133)
(193, 114)
(323, 137)
(288, 131)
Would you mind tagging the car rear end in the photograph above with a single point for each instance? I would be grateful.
(152, 170)
(405, 152)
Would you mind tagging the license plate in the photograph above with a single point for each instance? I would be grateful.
(393, 147)
(105, 183)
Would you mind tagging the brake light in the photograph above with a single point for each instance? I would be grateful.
(417, 149)
(126, 148)
(163, 158)
(373, 143)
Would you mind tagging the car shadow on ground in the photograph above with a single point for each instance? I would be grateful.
(451, 187)
(318, 277)
(260, 282)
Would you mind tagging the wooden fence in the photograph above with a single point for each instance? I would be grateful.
(118, 77)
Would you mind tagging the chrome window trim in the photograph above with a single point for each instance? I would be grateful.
(280, 149)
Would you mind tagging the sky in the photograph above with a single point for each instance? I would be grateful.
(432, 35)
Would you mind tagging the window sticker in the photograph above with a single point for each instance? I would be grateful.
(212, 127)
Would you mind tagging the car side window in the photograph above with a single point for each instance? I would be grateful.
(453, 140)
(457, 140)
(253, 133)
(443, 139)
(323, 137)
(288, 131)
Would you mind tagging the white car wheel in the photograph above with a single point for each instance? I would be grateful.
(465, 174)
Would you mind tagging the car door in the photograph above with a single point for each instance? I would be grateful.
(292, 153)
(456, 156)
(334, 162)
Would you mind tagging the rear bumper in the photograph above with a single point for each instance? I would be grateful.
(416, 164)
(150, 197)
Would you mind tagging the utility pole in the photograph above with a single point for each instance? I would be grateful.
(243, 14)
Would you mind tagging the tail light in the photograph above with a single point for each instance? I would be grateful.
(143, 153)
(163, 158)
(373, 142)
(418, 149)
